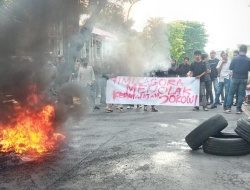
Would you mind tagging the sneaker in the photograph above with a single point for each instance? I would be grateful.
(96, 108)
(225, 108)
(228, 110)
(213, 107)
(239, 111)
(154, 109)
(219, 103)
(205, 109)
(196, 109)
(145, 108)
(128, 107)
(121, 110)
(140, 106)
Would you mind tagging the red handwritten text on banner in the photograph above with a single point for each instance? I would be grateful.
(153, 91)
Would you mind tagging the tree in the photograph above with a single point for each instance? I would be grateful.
(195, 38)
(132, 2)
(176, 33)
(111, 19)
(155, 40)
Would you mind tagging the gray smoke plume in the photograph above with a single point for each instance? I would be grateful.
(24, 53)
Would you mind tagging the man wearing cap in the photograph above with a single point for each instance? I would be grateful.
(224, 79)
(240, 66)
(86, 77)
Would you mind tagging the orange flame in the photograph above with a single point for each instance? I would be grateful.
(32, 131)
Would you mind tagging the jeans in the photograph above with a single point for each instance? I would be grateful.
(215, 83)
(91, 94)
(237, 85)
(209, 92)
(203, 94)
(103, 84)
(221, 85)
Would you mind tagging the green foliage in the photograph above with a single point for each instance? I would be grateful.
(155, 39)
(183, 38)
(176, 33)
(195, 38)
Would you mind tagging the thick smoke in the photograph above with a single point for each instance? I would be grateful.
(24, 53)
(136, 55)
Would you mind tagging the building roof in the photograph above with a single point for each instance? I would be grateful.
(102, 33)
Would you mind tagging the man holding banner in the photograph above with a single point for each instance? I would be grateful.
(198, 70)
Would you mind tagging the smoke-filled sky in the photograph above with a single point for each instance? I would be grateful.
(227, 21)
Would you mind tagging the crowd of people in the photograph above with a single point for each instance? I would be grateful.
(228, 78)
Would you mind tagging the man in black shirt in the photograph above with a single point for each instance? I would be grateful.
(172, 71)
(184, 68)
(198, 70)
(214, 73)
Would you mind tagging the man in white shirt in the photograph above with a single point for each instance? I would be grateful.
(86, 77)
(224, 79)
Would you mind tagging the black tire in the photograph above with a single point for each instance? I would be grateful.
(208, 128)
(225, 146)
(243, 129)
(226, 135)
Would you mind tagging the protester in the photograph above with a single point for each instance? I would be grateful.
(154, 74)
(172, 71)
(76, 69)
(198, 70)
(86, 77)
(236, 53)
(224, 79)
(214, 73)
(98, 73)
(109, 70)
(64, 76)
(51, 75)
(64, 72)
(184, 68)
(208, 82)
(240, 66)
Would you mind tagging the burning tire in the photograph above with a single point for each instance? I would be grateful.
(208, 128)
(226, 145)
(243, 129)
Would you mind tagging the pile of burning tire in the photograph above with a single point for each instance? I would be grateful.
(213, 141)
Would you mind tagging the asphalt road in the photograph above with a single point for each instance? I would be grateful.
(133, 150)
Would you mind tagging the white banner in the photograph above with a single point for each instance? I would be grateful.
(153, 91)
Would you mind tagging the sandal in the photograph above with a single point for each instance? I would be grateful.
(154, 109)
(109, 111)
